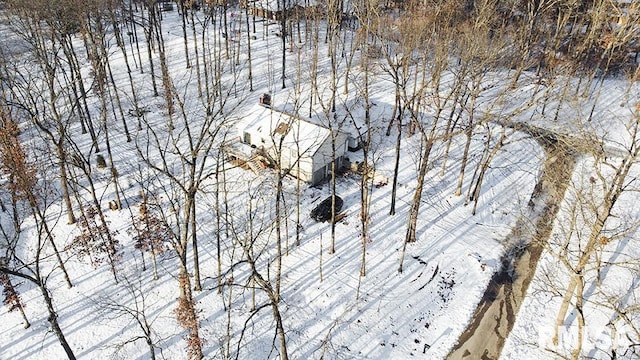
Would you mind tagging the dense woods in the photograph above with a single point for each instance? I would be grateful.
(121, 110)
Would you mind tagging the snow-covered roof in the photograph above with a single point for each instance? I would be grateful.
(277, 5)
(300, 135)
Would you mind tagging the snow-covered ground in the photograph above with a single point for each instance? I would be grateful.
(610, 305)
(329, 311)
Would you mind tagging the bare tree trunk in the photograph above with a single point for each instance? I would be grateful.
(194, 244)
(205, 61)
(332, 248)
(164, 68)
(120, 42)
(273, 301)
(53, 320)
(64, 182)
(225, 28)
(469, 134)
(250, 77)
(465, 158)
(487, 157)
(187, 315)
(74, 96)
(575, 354)
(228, 332)
(75, 66)
(364, 181)
(278, 229)
(183, 18)
(148, 32)
(113, 170)
(197, 55)
(53, 315)
(396, 167)
(115, 91)
(417, 196)
(134, 38)
(218, 217)
(283, 30)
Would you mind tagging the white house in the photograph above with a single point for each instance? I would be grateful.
(301, 148)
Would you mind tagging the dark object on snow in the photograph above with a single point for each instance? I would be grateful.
(265, 99)
(100, 162)
(322, 212)
(138, 112)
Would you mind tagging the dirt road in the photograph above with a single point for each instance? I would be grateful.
(494, 317)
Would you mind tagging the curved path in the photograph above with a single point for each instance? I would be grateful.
(494, 316)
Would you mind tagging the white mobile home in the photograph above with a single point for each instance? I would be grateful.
(297, 146)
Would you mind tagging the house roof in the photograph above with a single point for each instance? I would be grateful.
(298, 134)
(273, 5)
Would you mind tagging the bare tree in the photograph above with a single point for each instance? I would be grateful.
(50, 114)
(367, 13)
(136, 307)
(96, 241)
(36, 278)
(180, 154)
(327, 98)
(12, 298)
(31, 263)
(150, 233)
(251, 240)
(14, 162)
(595, 208)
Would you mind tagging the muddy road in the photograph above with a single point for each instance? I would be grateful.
(495, 315)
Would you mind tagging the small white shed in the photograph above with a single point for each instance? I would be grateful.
(300, 147)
